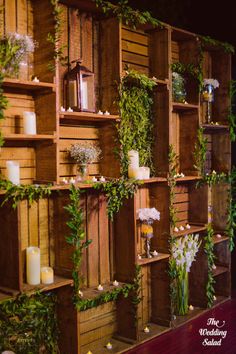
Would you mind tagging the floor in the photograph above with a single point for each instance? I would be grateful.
(220, 324)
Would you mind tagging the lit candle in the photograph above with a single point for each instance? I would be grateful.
(94, 179)
(181, 228)
(100, 112)
(33, 265)
(176, 229)
(64, 180)
(133, 172)
(218, 236)
(107, 113)
(69, 110)
(100, 287)
(146, 329)
(13, 171)
(133, 157)
(84, 94)
(155, 253)
(102, 179)
(115, 283)
(214, 297)
(89, 352)
(188, 226)
(109, 346)
(63, 109)
(145, 172)
(191, 308)
(81, 293)
(29, 123)
(47, 275)
(72, 180)
(35, 79)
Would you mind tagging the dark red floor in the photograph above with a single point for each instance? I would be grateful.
(187, 340)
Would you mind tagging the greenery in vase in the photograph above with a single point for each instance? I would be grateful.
(209, 250)
(28, 324)
(135, 130)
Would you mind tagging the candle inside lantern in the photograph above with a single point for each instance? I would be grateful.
(33, 265)
(29, 123)
(13, 171)
(47, 275)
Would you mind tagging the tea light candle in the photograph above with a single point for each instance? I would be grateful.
(218, 236)
(109, 345)
(81, 293)
(72, 180)
(145, 172)
(89, 352)
(35, 79)
(191, 308)
(100, 287)
(33, 265)
(94, 179)
(214, 297)
(133, 157)
(47, 275)
(155, 253)
(64, 180)
(181, 228)
(29, 123)
(69, 110)
(214, 266)
(188, 226)
(13, 171)
(139, 256)
(107, 113)
(176, 229)
(102, 179)
(146, 329)
(100, 112)
(63, 109)
(115, 283)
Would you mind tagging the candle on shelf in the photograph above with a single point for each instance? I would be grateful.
(47, 275)
(102, 179)
(63, 109)
(81, 293)
(35, 79)
(109, 345)
(133, 157)
(214, 297)
(145, 172)
(218, 236)
(69, 110)
(188, 226)
(107, 113)
(176, 229)
(94, 179)
(115, 283)
(155, 253)
(191, 308)
(100, 112)
(33, 265)
(146, 329)
(213, 266)
(133, 172)
(64, 180)
(29, 123)
(89, 352)
(181, 228)
(72, 180)
(13, 171)
(100, 287)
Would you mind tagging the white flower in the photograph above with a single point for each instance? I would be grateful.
(145, 214)
(213, 82)
(84, 153)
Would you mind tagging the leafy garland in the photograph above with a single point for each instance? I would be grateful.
(28, 324)
(116, 191)
(231, 219)
(16, 193)
(209, 250)
(127, 14)
(200, 152)
(189, 69)
(172, 271)
(231, 114)
(55, 38)
(135, 129)
(173, 163)
(208, 41)
(76, 237)
(3, 106)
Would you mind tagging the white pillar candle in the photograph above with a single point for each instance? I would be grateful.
(33, 265)
(133, 157)
(29, 123)
(13, 171)
(145, 172)
(47, 275)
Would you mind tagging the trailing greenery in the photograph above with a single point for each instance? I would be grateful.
(231, 219)
(15, 193)
(3, 106)
(209, 250)
(116, 192)
(208, 41)
(135, 128)
(125, 290)
(172, 271)
(212, 178)
(232, 114)
(200, 152)
(173, 164)
(28, 324)
(126, 14)
(55, 39)
(76, 238)
(189, 69)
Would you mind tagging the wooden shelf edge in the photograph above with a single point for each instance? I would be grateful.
(28, 137)
(87, 116)
(215, 129)
(93, 292)
(183, 106)
(217, 240)
(160, 257)
(28, 85)
(220, 270)
(193, 230)
(59, 281)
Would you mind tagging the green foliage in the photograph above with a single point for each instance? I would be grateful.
(3, 106)
(116, 192)
(76, 237)
(209, 250)
(135, 129)
(28, 324)
(231, 114)
(208, 41)
(127, 14)
(231, 219)
(200, 152)
(55, 39)
(172, 271)
(15, 193)
(173, 164)
(189, 69)
(212, 178)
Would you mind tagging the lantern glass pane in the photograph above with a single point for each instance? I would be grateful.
(87, 92)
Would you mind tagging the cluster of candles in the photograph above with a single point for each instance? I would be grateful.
(72, 180)
(134, 171)
(33, 270)
(182, 228)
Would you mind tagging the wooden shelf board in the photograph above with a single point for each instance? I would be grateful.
(91, 293)
(160, 257)
(28, 137)
(220, 239)
(220, 270)
(28, 85)
(87, 117)
(154, 180)
(215, 129)
(180, 320)
(162, 82)
(59, 281)
(194, 229)
(188, 179)
(183, 106)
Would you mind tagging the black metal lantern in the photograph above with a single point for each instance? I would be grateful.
(79, 88)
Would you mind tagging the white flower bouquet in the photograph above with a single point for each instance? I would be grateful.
(84, 153)
(148, 214)
(212, 82)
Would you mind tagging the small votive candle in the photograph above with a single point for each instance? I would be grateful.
(102, 179)
(145, 172)
(81, 293)
(155, 253)
(214, 297)
(107, 113)
(64, 180)
(33, 265)
(109, 345)
(29, 123)
(214, 266)
(100, 287)
(188, 226)
(63, 109)
(94, 179)
(176, 229)
(72, 180)
(191, 308)
(47, 275)
(89, 352)
(115, 283)
(69, 110)
(181, 228)
(100, 112)
(13, 171)
(146, 329)
(35, 79)
(218, 236)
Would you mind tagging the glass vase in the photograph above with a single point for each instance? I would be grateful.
(147, 233)
(178, 88)
(208, 97)
(182, 294)
(82, 172)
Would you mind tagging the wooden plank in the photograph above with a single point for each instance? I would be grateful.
(134, 36)
(104, 241)
(21, 15)
(64, 44)
(134, 58)
(78, 132)
(10, 19)
(87, 41)
(74, 35)
(159, 53)
(92, 234)
(2, 19)
(33, 225)
(134, 48)
(43, 223)
(139, 68)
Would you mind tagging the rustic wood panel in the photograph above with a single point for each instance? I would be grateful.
(159, 53)
(104, 244)
(145, 313)
(221, 153)
(174, 51)
(109, 164)
(92, 233)
(10, 20)
(135, 36)
(220, 206)
(63, 43)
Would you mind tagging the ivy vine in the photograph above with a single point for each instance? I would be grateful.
(208, 41)
(15, 193)
(209, 250)
(200, 152)
(231, 218)
(76, 237)
(3, 106)
(171, 180)
(232, 114)
(135, 130)
(126, 14)
(28, 324)
(189, 69)
(116, 192)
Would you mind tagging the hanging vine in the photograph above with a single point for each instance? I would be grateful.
(28, 324)
(232, 114)
(209, 250)
(231, 218)
(200, 152)
(3, 106)
(189, 69)
(173, 164)
(76, 238)
(135, 131)
(208, 41)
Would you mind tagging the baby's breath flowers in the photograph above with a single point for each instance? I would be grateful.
(147, 214)
(84, 153)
